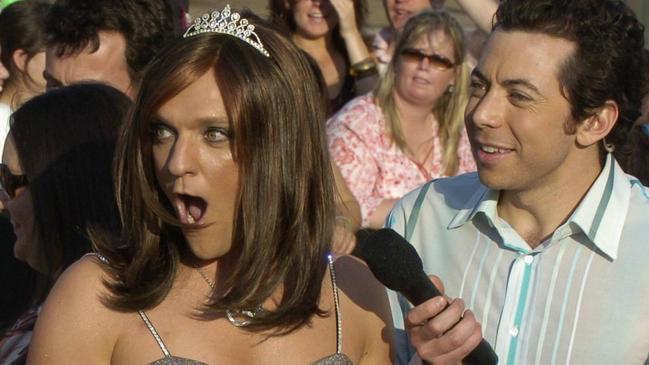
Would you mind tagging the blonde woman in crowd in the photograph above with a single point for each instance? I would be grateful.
(411, 128)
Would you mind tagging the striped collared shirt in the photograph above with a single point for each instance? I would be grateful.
(580, 297)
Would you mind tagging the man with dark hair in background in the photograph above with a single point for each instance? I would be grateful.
(109, 41)
(547, 244)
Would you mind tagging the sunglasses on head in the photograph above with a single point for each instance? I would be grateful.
(435, 60)
(10, 182)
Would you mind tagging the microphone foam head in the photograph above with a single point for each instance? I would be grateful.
(392, 259)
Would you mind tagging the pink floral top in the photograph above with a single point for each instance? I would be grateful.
(373, 167)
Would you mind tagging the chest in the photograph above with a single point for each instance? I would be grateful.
(562, 303)
(218, 342)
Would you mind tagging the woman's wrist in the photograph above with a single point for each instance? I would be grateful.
(364, 68)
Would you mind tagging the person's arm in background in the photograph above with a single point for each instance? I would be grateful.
(480, 11)
(357, 51)
(348, 216)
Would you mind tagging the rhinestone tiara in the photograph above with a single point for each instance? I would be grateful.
(226, 22)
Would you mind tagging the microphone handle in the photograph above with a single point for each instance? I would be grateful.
(422, 290)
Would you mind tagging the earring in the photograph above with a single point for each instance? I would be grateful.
(609, 147)
(450, 89)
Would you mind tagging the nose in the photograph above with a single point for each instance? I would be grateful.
(182, 159)
(485, 112)
(424, 63)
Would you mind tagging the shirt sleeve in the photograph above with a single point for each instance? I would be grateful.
(353, 151)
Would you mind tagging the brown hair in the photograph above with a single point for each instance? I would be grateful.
(285, 207)
(449, 109)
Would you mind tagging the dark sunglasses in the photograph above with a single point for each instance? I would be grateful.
(10, 182)
(416, 56)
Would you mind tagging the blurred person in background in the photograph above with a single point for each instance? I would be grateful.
(411, 128)
(57, 181)
(4, 75)
(109, 41)
(633, 155)
(399, 11)
(22, 40)
(330, 32)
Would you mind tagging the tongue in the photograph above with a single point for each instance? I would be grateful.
(195, 207)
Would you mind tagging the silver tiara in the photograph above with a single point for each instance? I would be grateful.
(226, 22)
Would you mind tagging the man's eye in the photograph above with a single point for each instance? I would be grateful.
(477, 88)
(516, 96)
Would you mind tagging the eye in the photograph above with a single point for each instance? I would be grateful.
(215, 135)
(477, 88)
(519, 97)
(160, 133)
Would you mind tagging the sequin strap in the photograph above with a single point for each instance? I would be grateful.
(154, 333)
(339, 327)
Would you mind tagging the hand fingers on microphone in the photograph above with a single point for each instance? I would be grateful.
(437, 282)
(455, 344)
(445, 320)
(425, 311)
(464, 336)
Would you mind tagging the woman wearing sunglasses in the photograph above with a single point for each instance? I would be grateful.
(56, 177)
(411, 128)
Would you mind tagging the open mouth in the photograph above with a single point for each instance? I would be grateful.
(191, 209)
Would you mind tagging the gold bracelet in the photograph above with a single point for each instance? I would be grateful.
(362, 66)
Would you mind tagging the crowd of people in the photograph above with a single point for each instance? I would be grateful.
(192, 191)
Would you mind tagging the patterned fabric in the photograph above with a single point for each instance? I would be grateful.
(14, 345)
(580, 297)
(373, 167)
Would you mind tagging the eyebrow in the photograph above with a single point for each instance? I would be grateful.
(477, 74)
(510, 82)
(203, 121)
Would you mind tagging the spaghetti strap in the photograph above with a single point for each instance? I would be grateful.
(154, 333)
(97, 255)
(339, 327)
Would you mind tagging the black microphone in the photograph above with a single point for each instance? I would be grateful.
(396, 264)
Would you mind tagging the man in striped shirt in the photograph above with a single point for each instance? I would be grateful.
(548, 244)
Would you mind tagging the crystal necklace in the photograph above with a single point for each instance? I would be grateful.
(236, 317)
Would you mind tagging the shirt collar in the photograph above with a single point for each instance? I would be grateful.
(483, 200)
(600, 214)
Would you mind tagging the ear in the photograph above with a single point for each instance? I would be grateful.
(596, 127)
(287, 5)
(20, 59)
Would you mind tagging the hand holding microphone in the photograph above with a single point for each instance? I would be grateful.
(442, 332)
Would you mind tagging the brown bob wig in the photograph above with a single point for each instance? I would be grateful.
(283, 219)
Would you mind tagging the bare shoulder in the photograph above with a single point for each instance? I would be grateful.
(74, 317)
(365, 307)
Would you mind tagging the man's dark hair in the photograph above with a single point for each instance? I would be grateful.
(147, 26)
(608, 63)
